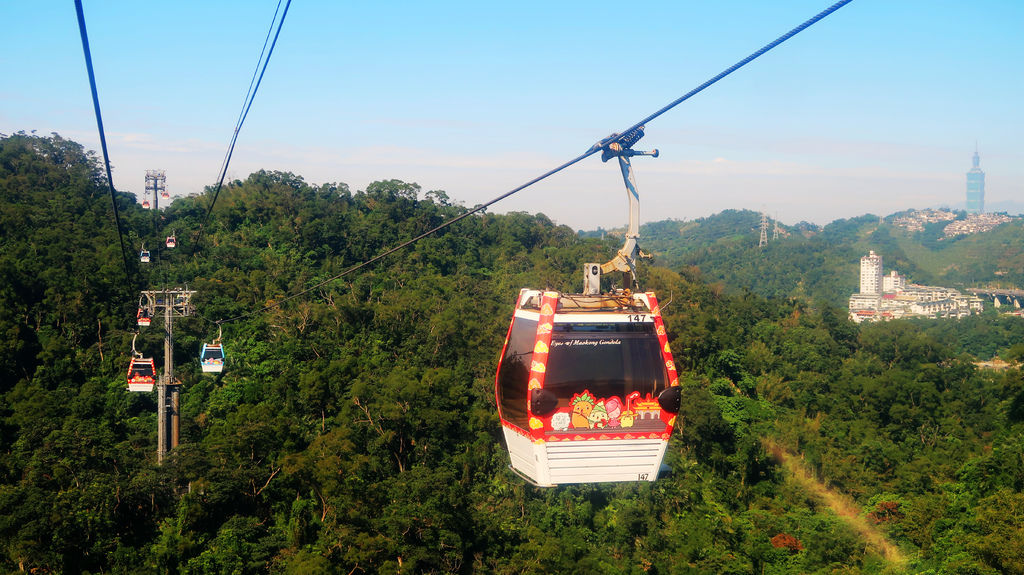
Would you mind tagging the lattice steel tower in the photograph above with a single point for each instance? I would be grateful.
(173, 303)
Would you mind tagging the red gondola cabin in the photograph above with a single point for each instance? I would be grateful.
(144, 318)
(141, 374)
(586, 388)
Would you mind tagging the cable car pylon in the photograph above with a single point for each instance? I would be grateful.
(173, 303)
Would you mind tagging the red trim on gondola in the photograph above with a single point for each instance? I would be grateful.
(545, 432)
(140, 378)
(555, 438)
(666, 353)
(659, 327)
(515, 428)
(539, 365)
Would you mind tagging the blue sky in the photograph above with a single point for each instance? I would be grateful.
(876, 109)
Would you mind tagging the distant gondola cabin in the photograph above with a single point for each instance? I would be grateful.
(141, 374)
(171, 242)
(586, 388)
(144, 317)
(211, 358)
(144, 256)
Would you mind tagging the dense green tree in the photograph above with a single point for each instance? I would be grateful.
(354, 428)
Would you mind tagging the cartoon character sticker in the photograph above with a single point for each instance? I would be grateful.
(627, 418)
(598, 417)
(582, 404)
(589, 414)
(614, 408)
(560, 421)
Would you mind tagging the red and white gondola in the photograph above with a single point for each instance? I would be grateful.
(587, 390)
(141, 374)
(586, 387)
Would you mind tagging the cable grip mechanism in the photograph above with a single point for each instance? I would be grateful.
(621, 145)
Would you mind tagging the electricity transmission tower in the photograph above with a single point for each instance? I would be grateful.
(764, 230)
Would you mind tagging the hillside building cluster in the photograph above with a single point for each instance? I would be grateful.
(977, 220)
(975, 224)
(888, 296)
(915, 220)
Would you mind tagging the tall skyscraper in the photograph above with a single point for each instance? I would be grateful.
(871, 273)
(975, 186)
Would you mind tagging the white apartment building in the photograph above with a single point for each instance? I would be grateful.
(871, 273)
(887, 297)
(892, 282)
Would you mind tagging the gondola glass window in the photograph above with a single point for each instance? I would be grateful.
(605, 359)
(515, 372)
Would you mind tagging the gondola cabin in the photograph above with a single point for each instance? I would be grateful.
(171, 242)
(145, 204)
(586, 388)
(211, 358)
(141, 374)
(144, 256)
(164, 195)
(144, 317)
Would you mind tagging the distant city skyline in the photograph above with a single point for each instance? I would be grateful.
(861, 113)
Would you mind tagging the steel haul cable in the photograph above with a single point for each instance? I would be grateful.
(601, 145)
(103, 137)
(252, 82)
(250, 97)
(810, 22)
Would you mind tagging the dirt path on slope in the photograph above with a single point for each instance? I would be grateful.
(840, 504)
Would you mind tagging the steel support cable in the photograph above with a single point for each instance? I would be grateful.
(251, 96)
(733, 68)
(103, 137)
(408, 243)
(252, 82)
(627, 133)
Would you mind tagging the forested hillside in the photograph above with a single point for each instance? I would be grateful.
(824, 263)
(354, 429)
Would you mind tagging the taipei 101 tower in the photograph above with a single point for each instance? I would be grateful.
(975, 186)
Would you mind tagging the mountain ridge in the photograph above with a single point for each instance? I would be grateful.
(811, 262)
